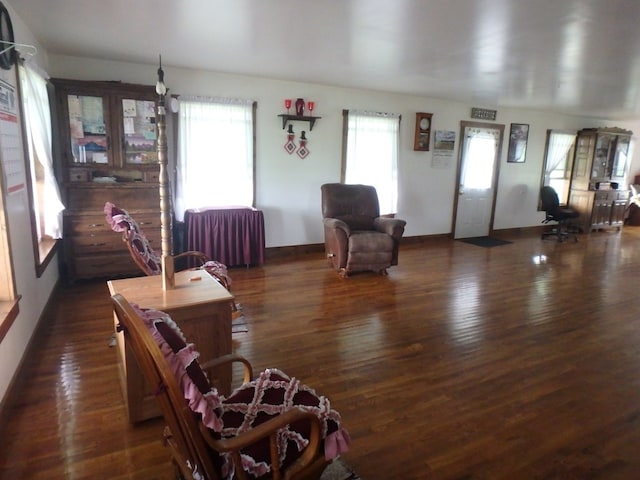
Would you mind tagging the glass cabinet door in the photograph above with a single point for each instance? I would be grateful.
(620, 159)
(601, 159)
(140, 137)
(87, 127)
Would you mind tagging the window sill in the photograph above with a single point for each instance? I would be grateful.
(46, 249)
(8, 313)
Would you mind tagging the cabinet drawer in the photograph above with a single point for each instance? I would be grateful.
(604, 196)
(86, 224)
(140, 196)
(94, 266)
(97, 243)
(83, 224)
(108, 242)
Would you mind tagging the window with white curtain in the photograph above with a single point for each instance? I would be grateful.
(558, 163)
(370, 154)
(216, 145)
(46, 205)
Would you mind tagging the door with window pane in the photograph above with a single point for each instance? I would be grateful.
(479, 157)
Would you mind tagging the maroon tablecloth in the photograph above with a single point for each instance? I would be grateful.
(233, 236)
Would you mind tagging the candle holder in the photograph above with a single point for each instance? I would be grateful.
(287, 105)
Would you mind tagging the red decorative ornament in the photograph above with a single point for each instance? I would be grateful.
(300, 107)
(303, 151)
(287, 104)
(311, 106)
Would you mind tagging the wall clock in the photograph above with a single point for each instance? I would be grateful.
(7, 40)
(423, 132)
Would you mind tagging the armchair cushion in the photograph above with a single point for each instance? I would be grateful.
(271, 394)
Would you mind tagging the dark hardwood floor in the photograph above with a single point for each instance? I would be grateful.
(514, 362)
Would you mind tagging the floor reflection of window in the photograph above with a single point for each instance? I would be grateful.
(464, 312)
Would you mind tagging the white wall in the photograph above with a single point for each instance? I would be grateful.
(35, 291)
(288, 188)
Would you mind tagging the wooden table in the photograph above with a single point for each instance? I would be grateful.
(202, 309)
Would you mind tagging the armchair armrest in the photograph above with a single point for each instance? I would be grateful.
(230, 358)
(192, 253)
(269, 430)
(337, 224)
(391, 226)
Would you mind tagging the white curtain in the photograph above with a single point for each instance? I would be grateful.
(559, 145)
(372, 155)
(33, 83)
(480, 153)
(215, 154)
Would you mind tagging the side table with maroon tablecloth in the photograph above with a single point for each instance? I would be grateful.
(231, 235)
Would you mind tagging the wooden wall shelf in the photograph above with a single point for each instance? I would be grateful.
(300, 118)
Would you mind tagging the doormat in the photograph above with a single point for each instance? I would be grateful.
(485, 241)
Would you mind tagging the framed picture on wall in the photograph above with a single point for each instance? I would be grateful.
(518, 137)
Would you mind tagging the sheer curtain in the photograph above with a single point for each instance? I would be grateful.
(556, 171)
(215, 154)
(33, 83)
(372, 155)
(559, 145)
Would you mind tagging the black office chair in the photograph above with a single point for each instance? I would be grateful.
(555, 213)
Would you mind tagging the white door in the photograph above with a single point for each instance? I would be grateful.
(479, 158)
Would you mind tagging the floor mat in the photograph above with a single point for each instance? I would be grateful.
(485, 241)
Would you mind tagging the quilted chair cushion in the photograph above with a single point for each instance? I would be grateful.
(121, 221)
(272, 393)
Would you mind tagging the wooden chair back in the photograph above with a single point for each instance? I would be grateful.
(197, 453)
(182, 434)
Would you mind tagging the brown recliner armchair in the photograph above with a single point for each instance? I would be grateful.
(356, 237)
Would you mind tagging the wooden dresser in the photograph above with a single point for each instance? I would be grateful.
(107, 152)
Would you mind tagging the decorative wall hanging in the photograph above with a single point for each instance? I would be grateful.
(290, 146)
(483, 113)
(303, 151)
(423, 132)
(518, 138)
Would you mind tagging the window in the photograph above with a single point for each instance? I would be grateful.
(370, 154)
(46, 206)
(216, 153)
(558, 163)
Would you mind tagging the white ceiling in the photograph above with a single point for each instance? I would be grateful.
(575, 56)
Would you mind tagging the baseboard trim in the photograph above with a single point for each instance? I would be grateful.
(279, 253)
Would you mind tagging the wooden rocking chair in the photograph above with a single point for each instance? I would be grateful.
(257, 432)
(145, 257)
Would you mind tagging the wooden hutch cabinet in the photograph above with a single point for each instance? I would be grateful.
(598, 190)
(107, 148)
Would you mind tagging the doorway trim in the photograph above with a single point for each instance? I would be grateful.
(496, 171)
